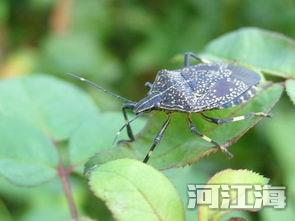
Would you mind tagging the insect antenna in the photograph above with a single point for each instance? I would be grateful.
(96, 86)
(125, 125)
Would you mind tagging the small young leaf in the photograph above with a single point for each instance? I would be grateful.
(267, 51)
(136, 191)
(290, 88)
(229, 177)
(179, 146)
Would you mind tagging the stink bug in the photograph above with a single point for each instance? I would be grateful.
(193, 89)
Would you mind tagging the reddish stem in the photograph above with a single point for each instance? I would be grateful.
(64, 176)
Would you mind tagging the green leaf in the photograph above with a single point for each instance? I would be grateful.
(36, 114)
(271, 214)
(135, 191)
(290, 88)
(95, 134)
(229, 177)
(45, 202)
(4, 212)
(181, 177)
(179, 147)
(78, 53)
(56, 107)
(280, 135)
(87, 139)
(267, 51)
(27, 156)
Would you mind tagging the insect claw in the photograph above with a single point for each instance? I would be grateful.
(269, 115)
(123, 142)
(262, 114)
(116, 137)
(224, 150)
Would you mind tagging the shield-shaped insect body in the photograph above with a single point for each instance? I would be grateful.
(199, 88)
(193, 89)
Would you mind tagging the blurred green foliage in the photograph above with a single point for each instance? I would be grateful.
(121, 45)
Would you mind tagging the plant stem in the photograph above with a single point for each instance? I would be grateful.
(64, 176)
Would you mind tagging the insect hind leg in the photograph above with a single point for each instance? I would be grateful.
(234, 119)
(157, 139)
(195, 131)
(189, 55)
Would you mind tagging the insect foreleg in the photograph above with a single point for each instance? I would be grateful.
(189, 55)
(125, 125)
(157, 138)
(128, 106)
(195, 131)
(234, 119)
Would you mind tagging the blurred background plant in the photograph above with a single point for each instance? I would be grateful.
(121, 45)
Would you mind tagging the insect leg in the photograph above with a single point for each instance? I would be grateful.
(195, 131)
(157, 139)
(234, 119)
(189, 55)
(128, 106)
(125, 125)
(149, 85)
